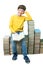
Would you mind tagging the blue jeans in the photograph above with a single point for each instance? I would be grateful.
(23, 46)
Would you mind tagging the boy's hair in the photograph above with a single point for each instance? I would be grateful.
(22, 7)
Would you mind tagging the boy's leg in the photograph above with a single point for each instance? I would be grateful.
(14, 49)
(24, 50)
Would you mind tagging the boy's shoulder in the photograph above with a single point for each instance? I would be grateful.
(12, 16)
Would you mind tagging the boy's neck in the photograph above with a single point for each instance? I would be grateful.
(18, 14)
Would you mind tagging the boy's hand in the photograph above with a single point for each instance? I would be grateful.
(26, 12)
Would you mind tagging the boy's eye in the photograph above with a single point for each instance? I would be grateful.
(21, 10)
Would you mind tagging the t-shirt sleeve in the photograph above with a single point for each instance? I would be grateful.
(27, 17)
(11, 24)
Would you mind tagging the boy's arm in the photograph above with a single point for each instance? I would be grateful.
(28, 17)
(11, 25)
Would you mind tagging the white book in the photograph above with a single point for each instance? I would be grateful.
(18, 37)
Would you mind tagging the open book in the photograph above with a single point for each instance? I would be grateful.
(18, 37)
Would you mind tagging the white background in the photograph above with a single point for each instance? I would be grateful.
(8, 8)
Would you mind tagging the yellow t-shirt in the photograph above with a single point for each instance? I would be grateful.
(16, 22)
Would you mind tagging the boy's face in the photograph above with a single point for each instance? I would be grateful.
(20, 12)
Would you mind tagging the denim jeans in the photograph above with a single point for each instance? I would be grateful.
(23, 46)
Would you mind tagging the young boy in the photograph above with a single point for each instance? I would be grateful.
(16, 26)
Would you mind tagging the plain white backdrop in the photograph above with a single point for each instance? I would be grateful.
(8, 8)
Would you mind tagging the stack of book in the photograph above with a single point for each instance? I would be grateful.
(36, 41)
(41, 45)
(10, 47)
(33, 43)
(6, 45)
(30, 36)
